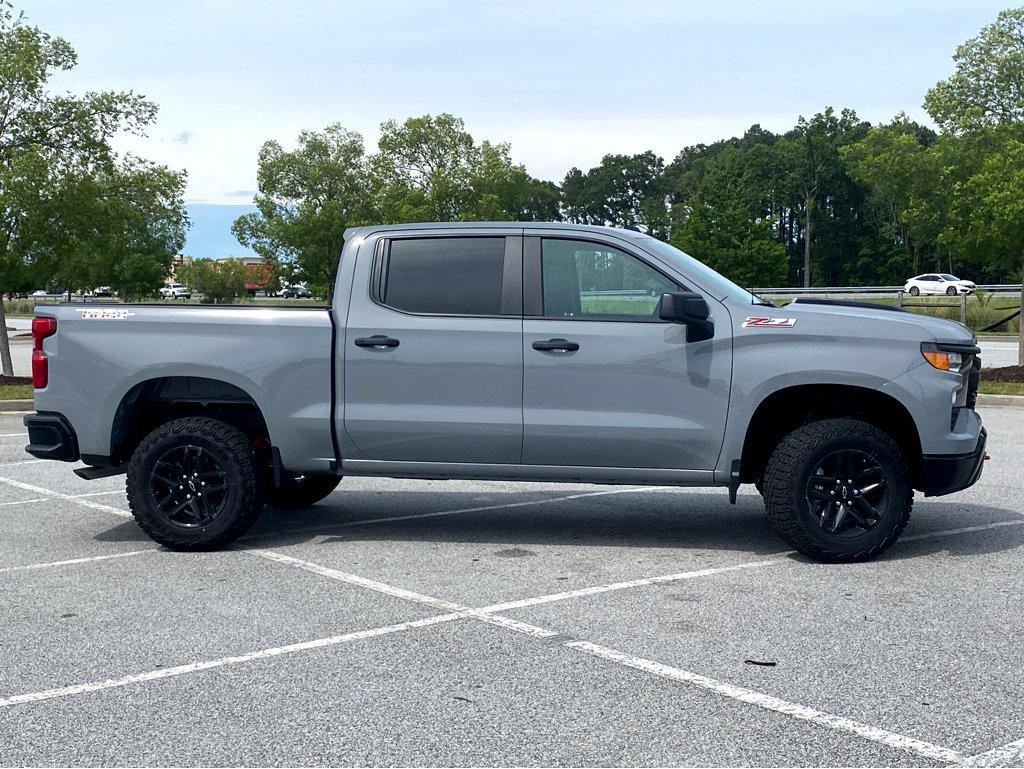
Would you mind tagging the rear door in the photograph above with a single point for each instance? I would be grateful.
(433, 362)
(606, 382)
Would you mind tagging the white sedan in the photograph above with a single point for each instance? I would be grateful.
(938, 283)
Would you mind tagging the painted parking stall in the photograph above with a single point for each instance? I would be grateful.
(491, 623)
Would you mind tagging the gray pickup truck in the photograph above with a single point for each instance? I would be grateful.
(511, 351)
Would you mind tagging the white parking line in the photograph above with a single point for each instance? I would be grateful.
(195, 667)
(766, 701)
(49, 564)
(440, 513)
(23, 501)
(66, 497)
(74, 496)
(407, 595)
(13, 435)
(963, 530)
(1005, 755)
(747, 696)
(597, 589)
(23, 462)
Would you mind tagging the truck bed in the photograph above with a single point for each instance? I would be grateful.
(281, 357)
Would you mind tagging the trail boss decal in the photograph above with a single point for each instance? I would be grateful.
(769, 323)
(105, 314)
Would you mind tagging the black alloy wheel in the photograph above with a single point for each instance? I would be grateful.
(848, 493)
(194, 484)
(189, 486)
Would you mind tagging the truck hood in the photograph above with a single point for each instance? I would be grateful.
(936, 329)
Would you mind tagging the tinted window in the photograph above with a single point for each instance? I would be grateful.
(587, 279)
(450, 276)
(949, 277)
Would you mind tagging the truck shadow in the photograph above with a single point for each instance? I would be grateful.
(645, 519)
(650, 519)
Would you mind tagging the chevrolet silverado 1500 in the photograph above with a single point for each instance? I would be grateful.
(513, 351)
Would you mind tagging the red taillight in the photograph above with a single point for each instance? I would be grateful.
(40, 369)
(41, 328)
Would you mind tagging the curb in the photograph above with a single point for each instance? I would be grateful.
(29, 405)
(1001, 400)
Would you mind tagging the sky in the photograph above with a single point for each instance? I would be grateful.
(563, 82)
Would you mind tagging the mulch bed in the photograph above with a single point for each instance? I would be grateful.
(15, 380)
(1004, 374)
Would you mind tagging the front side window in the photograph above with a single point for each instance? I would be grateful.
(582, 279)
(445, 276)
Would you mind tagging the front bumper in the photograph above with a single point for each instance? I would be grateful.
(51, 436)
(944, 474)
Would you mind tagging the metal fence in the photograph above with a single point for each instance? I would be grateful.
(994, 288)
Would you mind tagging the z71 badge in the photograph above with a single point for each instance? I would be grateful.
(769, 323)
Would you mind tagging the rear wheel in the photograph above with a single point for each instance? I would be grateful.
(838, 490)
(302, 493)
(192, 484)
(914, 291)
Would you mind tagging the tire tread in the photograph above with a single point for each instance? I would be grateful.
(235, 444)
(784, 466)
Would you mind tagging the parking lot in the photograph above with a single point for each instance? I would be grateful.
(463, 623)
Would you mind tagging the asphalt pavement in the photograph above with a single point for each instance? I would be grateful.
(471, 623)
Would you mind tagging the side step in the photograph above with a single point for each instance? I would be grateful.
(92, 473)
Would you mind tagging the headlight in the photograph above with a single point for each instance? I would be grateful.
(944, 361)
(944, 358)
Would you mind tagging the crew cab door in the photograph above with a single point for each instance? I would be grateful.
(433, 362)
(606, 382)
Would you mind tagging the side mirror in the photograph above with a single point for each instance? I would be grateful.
(690, 309)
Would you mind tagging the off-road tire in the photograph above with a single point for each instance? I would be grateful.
(786, 478)
(304, 493)
(243, 499)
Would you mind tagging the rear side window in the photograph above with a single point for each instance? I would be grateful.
(445, 276)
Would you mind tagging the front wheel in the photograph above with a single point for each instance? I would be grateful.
(951, 291)
(193, 484)
(914, 291)
(838, 490)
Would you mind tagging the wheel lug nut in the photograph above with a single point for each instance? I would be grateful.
(202, 483)
(188, 496)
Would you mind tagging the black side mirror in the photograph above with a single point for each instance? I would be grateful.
(690, 309)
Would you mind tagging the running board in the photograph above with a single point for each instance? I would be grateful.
(92, 473)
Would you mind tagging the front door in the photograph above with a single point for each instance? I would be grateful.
(433, 362)
(606, 382)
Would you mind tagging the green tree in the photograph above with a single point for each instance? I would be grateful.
(982, 102)
(429, 169)
(725, 225)
(629, 191)
(220, 281)
(307, 198)
(810, 155)
(987, 86)
(44, 138)
(122, 224)
(895, 163)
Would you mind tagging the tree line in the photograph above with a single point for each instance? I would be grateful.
(834, 200)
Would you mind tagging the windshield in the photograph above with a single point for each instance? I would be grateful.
(722, 287)
(949, 277)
